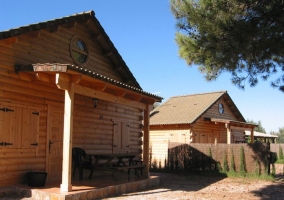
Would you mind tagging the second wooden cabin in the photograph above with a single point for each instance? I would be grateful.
(198, 118)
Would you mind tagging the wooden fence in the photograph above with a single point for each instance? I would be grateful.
(251, 158)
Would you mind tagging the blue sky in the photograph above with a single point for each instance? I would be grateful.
(143, 33)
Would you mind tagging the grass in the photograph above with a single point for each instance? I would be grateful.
(230, 174)
(252, 176)
(280, 161)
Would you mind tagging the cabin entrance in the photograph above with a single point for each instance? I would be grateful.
(55, 142)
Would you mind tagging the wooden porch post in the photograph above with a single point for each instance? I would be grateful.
(252, 136)
(146, 140)
(67, 140)
(228, 133)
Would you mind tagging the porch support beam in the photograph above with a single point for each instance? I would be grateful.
(241, 128)
(146, 139)
(228, 133)
(252, 135)
(67, 139)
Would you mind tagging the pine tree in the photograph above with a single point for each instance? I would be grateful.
(232, 162)
(242, 37)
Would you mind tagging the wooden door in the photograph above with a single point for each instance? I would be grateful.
(216, 137)
(55, 142)
(120, 137)
(203, 138)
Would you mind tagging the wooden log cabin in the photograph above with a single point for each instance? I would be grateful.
(63, 84)
(198, 118)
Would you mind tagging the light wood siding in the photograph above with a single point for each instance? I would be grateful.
(207, 132)
(159, 140)
(54, 48)
(214, 113)
(93, 128)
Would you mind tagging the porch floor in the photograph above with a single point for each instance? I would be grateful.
(101, 186)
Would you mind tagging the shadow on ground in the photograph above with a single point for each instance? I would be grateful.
(273, 191)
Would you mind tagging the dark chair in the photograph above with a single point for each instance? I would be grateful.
(81, 161)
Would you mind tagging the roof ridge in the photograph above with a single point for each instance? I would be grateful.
(204, 93)
(43, 24)
(29, 27)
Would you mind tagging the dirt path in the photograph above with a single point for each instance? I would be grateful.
(176, 186)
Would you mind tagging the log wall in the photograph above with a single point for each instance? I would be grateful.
(94, 127)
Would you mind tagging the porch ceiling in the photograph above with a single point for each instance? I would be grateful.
(89, 79)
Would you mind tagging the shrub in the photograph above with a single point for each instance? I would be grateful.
(232, 162)
(242, 161)
(281, 156)
(154, 165)
(256, 165)
(225, 162)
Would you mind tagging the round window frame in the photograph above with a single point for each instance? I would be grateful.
(221, 108)
(71, 49)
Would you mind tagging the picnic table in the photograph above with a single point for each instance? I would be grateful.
(120, 163)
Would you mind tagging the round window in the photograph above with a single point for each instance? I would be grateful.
(79, 51)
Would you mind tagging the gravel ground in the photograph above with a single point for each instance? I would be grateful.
(178, 186)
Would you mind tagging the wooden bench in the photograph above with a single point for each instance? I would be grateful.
(129, 167)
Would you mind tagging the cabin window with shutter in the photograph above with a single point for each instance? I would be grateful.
(18, 127)
(30, 128)
(121, 137)
(10, 118)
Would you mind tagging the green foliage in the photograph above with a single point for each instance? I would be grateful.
(259, 128)
(242, 37)
(251, 176)
(256, 167)
(211, 164)
(242, 161)
(219, 167)
(280, 135)
(210, 153)
(225, 162)
(232, 162)
(281, 156)
(266, 165)
(280, 161)
(273, 173)
(273, 158)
